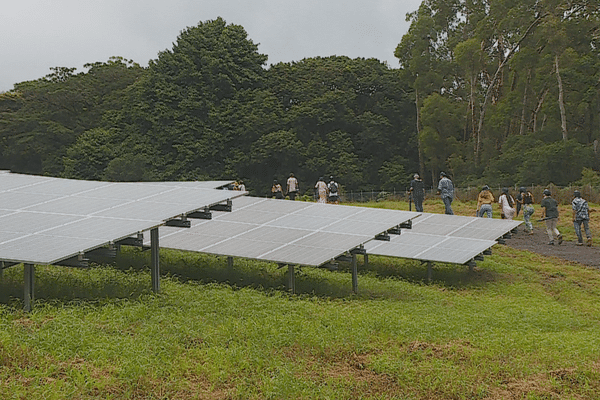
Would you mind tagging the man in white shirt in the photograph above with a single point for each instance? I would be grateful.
(292, 186)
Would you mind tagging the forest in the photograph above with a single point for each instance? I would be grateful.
(491, 92)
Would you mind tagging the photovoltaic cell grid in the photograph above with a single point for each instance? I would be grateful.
(444, 238)
(44, 220)
(290, 232)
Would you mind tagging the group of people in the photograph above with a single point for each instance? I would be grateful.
(327, 192)
(510, 207)
(324, 192)
(445, 190)
(292, 188)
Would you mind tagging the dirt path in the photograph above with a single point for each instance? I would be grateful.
(538, 243)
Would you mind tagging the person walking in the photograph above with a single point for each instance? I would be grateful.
(525, 201)
(484, 202)
(550, 215)
(507, 205)
(446, 192)
(292, 187)
(276, 190)
(417, 190)
(321, 191)
(332, 190)
(581, 215)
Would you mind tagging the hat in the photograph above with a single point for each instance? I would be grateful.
(443, 173)
(485, 187)
(547, 192)
(577, 193)
(415, 175)
(505, 190)
(522, 189)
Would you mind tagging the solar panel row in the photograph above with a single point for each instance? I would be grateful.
(444, 238)
(45, 220)
(289, 232)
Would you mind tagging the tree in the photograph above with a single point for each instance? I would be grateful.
(182, 104)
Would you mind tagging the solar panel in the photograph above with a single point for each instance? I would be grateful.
(444, 238)
(426, 247)
(44, 220)
(291, 232)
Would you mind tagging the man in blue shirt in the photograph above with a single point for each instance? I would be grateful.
(446, 192)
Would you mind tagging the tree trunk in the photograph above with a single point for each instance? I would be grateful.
(420, 148)
(537, 109)
(522, 127)
(561, 102)
(492, 84)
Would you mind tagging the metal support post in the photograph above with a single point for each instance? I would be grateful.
(354, 274)
(366, 260)
(28, 292)
(292, 279)
(230, 263)
(155, 264)
(429, 270)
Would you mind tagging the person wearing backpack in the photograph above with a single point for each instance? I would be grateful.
(550, 216)
(276, 190)
(581, 215)
(332, 189)
(507, 205)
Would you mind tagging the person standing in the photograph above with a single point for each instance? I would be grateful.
(292, 187)
(550, 215)
(332, 189)
(581, 215)
(321, 191)
(525, 200)
(417, 190)
(276, 190)
(484, 202)
(446, 192)
(507, 205)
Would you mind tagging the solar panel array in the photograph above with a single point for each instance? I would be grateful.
(45, 220)
(290, 232)
(444, 238)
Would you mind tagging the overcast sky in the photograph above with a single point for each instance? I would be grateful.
(38, 34)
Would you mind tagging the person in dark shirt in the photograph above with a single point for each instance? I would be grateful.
(550, 215)
(417, 189)
(581, 216)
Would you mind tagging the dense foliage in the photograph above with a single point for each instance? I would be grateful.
(497, 92)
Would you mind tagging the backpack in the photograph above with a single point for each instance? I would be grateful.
(333, 188)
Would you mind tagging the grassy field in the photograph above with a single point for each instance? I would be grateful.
(520, 326)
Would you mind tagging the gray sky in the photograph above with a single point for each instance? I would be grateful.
(39, 34)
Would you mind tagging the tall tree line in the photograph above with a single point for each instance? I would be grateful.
(483, 91)
(506, 92)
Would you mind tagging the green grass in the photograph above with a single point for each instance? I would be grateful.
(519, 326)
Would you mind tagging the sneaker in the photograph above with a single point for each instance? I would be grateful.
(551, 242)
(559, 239)
(531, 232)
(589, 242)
(579, 244)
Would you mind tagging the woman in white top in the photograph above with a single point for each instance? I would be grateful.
(507, 205)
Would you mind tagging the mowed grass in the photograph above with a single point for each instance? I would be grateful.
(520, 326)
